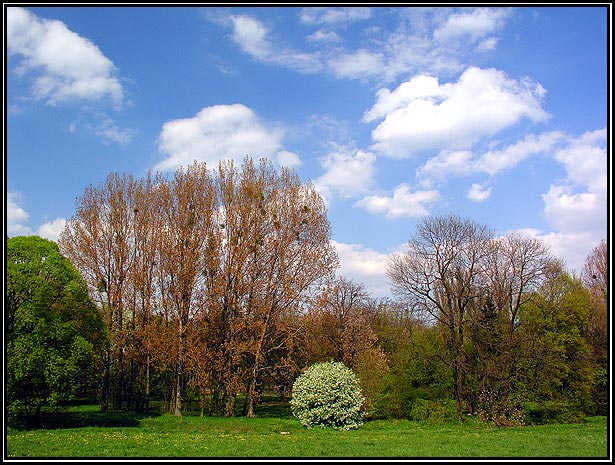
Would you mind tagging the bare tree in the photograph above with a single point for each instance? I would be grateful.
(515, 267)
(595, 278)
(440, 275)
(187, 207)
(276, 247)
(341, 324)
(98, 241)
(595, 270)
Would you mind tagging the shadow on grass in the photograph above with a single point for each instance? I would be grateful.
(80, 419)
(274, 408)
(81, 416)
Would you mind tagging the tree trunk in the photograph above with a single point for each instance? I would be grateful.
(147, 385)
(104, 399)
(229, 409)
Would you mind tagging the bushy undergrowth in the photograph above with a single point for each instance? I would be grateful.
(328, 395)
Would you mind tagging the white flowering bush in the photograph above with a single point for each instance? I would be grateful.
(326, 395)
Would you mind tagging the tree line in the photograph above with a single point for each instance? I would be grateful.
(218, 285)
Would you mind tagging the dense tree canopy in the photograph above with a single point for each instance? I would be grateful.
(206, 270)
(52, 327)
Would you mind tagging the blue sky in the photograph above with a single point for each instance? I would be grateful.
(498, 114)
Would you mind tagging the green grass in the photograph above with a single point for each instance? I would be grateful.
(84, 432)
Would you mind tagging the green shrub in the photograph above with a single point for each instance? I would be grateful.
(328, 395)
(432, 412)
(551, 412)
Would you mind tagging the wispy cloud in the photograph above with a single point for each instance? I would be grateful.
(253, 38)
(335, 15)
(432, 40)
(465, 162)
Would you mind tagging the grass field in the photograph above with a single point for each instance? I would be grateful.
(84, 432)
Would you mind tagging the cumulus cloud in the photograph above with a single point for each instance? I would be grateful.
(403, 203)
(363, 265)
(423, 114)
(585, 160)
(221, 132)
(288, 159)
(17, 219)
(16, 216)
(577, 209)
(570, 212)
(572, 247)
(65, 66)
(478, 193)
(348, 172)
(580, 203)
(52, 229)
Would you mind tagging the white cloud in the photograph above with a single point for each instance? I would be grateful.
(106, 128)
(220, 132)
(478, 193)
(384, 55)
(253, 38)
(363, 265)
(16, 216)
(459, 162)
(17, 221)
(52, 229)
(403, 203)
(326, 15)
(488, 44)
(581, 203)
(288, 159)
(572, 212)
(494, 162)
(471, 25)
(65, 66)
(356, 65)
(323, 36)
(251, 35)
(573, 247)
(585, 160)
(425, 115)
(419, 87)
(348, 172)
(577, 209)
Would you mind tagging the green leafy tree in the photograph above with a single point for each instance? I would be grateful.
(52, 328)
(555, 366)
